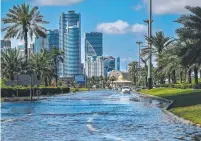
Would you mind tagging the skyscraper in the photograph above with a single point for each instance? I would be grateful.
(94, 66)
(70, 43)
(53, 38)
(117, 63)
(40, 43)
(93, 44)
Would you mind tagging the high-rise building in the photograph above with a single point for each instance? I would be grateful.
(117, 63)
(40, 43)
(109, 64)
(5, 44)
(53, 38)
(94, 66)
(93, 44)
(70, 43)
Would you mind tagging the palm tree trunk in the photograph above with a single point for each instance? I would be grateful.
(196, 75)
(173, 77)
(181, 78)
(169, 78)
(46, 83)
(25, 44)
(189, 76)
(185, 75)
(146, 81)
(56, 76)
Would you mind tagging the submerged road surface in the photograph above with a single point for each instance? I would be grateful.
(92, 116)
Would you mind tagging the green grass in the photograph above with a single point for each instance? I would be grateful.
(192, 113)
(186, 101)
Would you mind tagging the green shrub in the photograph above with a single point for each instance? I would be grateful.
(22, 92)
(181, 86)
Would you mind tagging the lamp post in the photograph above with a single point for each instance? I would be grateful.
(150, 46)
(139, 43)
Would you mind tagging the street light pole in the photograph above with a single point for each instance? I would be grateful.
(150, 46)
(139, 43)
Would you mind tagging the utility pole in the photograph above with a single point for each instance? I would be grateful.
(150, 46)
(139, 43)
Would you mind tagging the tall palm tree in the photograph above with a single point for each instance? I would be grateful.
(191, 32)
(11, 62)
(160, 43)
(22, 20)
(133, 71)
(57, 57)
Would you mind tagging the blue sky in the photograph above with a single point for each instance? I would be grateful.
(121, 21)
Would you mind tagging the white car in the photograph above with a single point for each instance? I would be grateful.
(126, 89)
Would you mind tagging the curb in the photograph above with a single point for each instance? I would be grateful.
(168, 105)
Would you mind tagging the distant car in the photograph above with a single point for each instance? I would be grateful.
(126, 89)
(138, 89)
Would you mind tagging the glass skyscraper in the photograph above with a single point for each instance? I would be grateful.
(53, 38)
(93, 44)
(70, 43)
(40, 43)
(117, 63)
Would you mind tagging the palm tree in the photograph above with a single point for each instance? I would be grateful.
(160, 43)
(11, 62)
(112, 79)
(21, 21)
(133, 71)
(191, 33)
(42, 65)
(57, 57)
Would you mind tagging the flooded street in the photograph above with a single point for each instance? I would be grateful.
(92, 116)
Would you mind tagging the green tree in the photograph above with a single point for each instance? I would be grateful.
(11, 62)
(190, 32)
(57, 57)
(23, 20)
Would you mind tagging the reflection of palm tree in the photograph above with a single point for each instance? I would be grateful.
(22, 20)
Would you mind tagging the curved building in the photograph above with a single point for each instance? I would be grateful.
(70, 43)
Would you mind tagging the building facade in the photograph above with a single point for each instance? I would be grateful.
(53, 38)
(40, 43)
(5, 44)
(94, 66)
(70, 43)
(93, 44)
(109, 64)
(117, 63)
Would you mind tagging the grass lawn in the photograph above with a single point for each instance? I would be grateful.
(187, 101)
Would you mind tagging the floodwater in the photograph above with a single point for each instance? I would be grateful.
(92, 116)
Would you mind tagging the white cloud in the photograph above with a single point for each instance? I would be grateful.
(117, 27)
(172, 6)
(139, 28)
(57, 2)
(120, 27)
(137, 7)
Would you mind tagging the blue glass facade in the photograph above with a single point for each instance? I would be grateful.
(70, 43)
(53, 38)
(109, 64)
(117, 63)
(40, 43)
(93, 44)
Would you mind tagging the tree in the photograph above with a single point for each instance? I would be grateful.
(57, 57)
(112, 79)
(11, 62)
(133, 71)
(191, 33)
(42, 65)
(160, 43)
(21, 21)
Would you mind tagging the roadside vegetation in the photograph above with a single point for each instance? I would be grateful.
(187, 102)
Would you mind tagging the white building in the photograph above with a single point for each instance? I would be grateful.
(94, 66)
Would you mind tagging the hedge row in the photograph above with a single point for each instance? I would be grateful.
(10, 92)
(181, 86)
